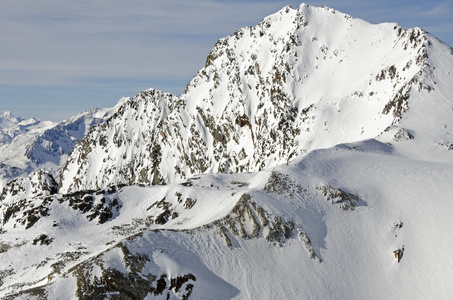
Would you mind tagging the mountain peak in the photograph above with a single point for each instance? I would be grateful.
(5, 114)
(312, 144)
(7, 117)
(302, 79)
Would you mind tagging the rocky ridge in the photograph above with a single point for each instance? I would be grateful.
(300, 80)
(303, 211)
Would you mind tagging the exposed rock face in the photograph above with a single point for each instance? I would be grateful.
(300, 80)
(402, 135)
(128, 145)
(125, 227)
(136, 284)
(139, 264)
(346, 200)
(18, 198)
(36, 184)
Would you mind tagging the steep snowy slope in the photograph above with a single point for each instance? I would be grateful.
(324, 227)
(300, 80)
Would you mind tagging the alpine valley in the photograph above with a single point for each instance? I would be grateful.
(310, 158)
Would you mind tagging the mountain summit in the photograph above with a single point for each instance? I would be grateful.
(309, 159)
(302, 79)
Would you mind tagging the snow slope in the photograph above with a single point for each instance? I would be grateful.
(297, 214)
(333, 218)
(300, 80)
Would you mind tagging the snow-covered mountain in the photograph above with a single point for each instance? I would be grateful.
(15, 134)
(30, 145)
(10, 126)
(59, 140)
(309, 159)
(300, 80)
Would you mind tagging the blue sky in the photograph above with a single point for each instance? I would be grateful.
(58, 58)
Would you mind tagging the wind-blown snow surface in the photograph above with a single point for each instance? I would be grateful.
(302, 79)
(396, 202)
(345, 161)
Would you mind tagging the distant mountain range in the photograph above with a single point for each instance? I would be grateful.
(310, 158)
(30, 145)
